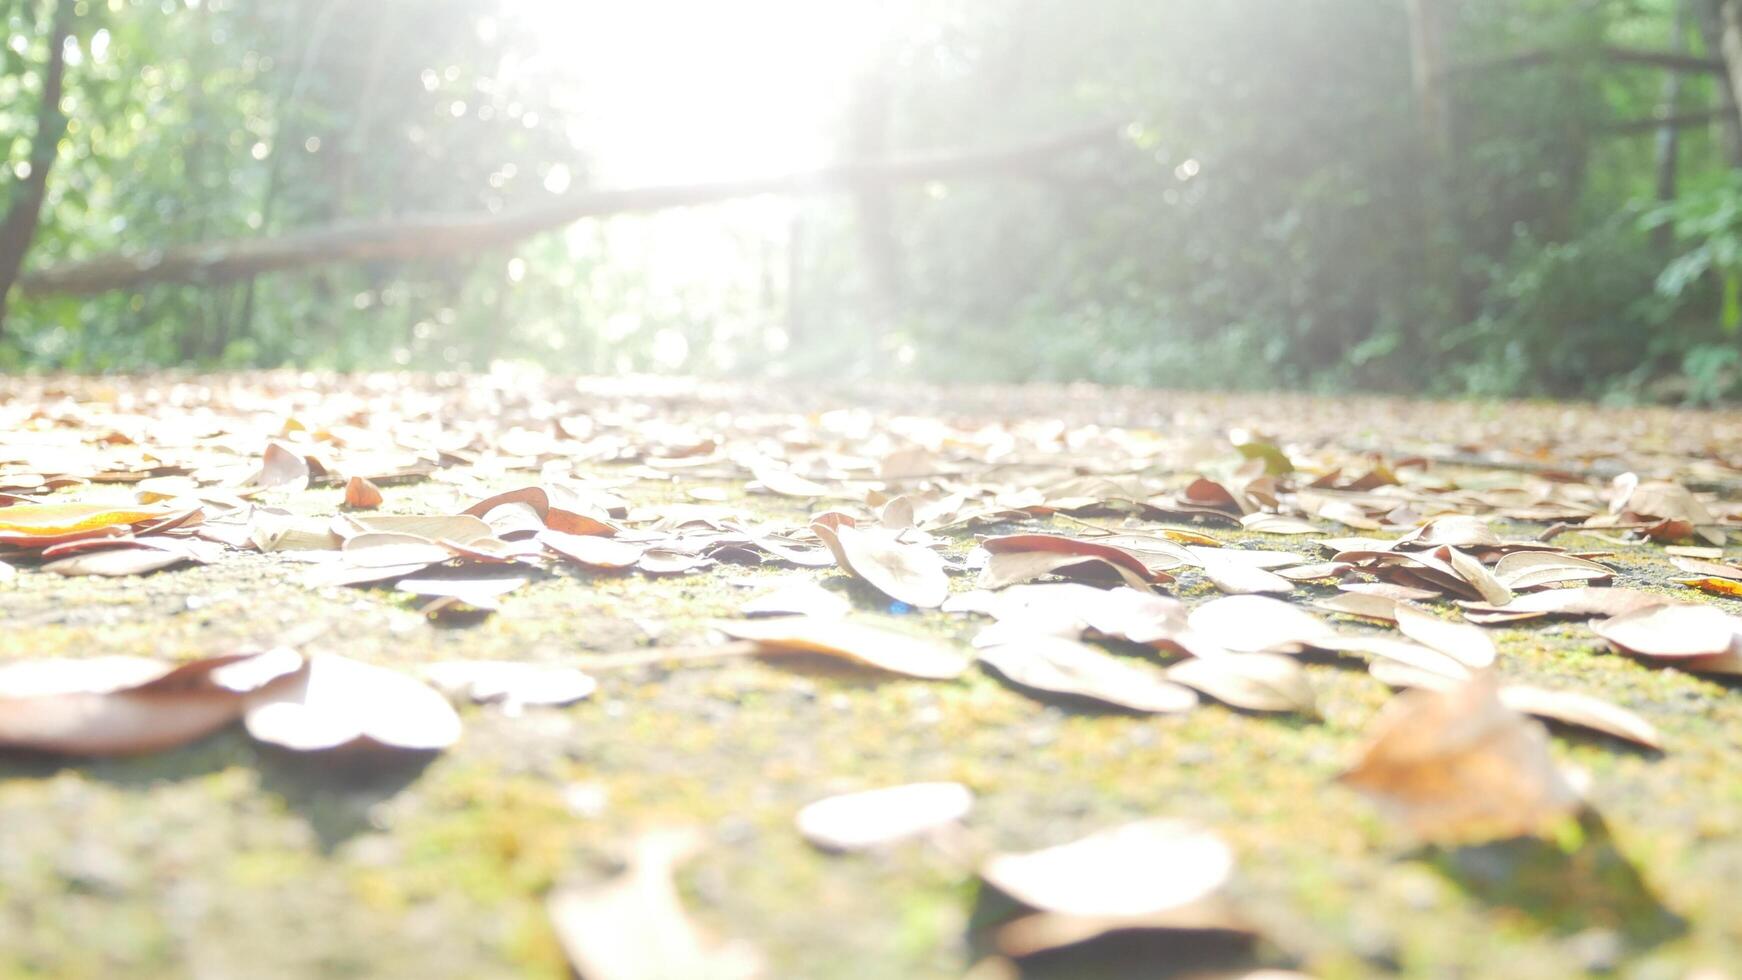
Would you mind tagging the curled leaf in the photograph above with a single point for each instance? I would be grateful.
(908, 573)
(1253, 681)
(338, 703)
(1467, 644)
(127, 705)
(1671, 631)
(869, 646)
(1055, 665)
(1459, 766)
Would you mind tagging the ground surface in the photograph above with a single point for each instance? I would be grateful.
(225, 858)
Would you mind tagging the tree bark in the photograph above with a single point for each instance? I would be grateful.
(1730, 44)
(1669, 135)
(433, 236)
(25, 212)
(1711, 22)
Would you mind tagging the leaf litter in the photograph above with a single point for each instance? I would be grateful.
(1075, 541)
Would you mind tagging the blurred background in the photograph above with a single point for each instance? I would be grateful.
(1489, 197)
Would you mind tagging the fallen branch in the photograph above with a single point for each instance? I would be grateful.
(432, 236)
(1536, 57)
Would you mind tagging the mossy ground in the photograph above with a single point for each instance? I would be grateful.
(225, 859)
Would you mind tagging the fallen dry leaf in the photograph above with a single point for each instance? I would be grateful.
(281, 468)
(36, 526)
(907, 573)
(877, 817)
(593, 551)
(127, 705)
(634, 926)
(1128, 872)
(1671, 631)
(514, 685)
(1583, 711)
(1253, 681)
(869, 646)
(1360, 604)
(336, 703)
(1524, 570)
(1467, 644)
(1714, 586)
(1257, 624)
(360, 494)
(1459, 766)
(1055, 665)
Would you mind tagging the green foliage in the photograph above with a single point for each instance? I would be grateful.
(1274, 216)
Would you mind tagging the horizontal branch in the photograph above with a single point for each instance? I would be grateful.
(433, 236)
(1670, 60)
(1634, 127)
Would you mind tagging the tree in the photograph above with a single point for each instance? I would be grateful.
(24, 213)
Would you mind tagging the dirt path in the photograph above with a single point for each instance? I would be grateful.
(229, 858)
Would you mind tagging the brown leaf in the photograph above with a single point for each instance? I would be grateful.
(135, 556)
(1127, 872)
(1465, 643)
(1580, 602)
(1017, 567)
(1707, 569)
(1583, 711)
(1398, 650)
(1253, 681)
(1477, 574)
(1523, 570)
(1277, 524)
(634, 927)
(1234, 578)
(1671, 631)
(336, 703)
(870, 646)
(1256, 624)
(1055, 665)
(1459, 766)
(1454, 530)
(387, 549)
(126, 705)
(435, 527)
(1360, 604)
(593, 551)
(360, 494)
(1011, 543)
(877, 817)
(282, 469)
(907, 573)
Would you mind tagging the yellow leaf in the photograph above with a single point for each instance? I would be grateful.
(1716, 586)
(53, 520)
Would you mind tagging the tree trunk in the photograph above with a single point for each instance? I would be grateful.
(1428, 26)
(1730, 45)
(25, 212)
(1712, 35)
(1427, 47)
(1669, 135)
